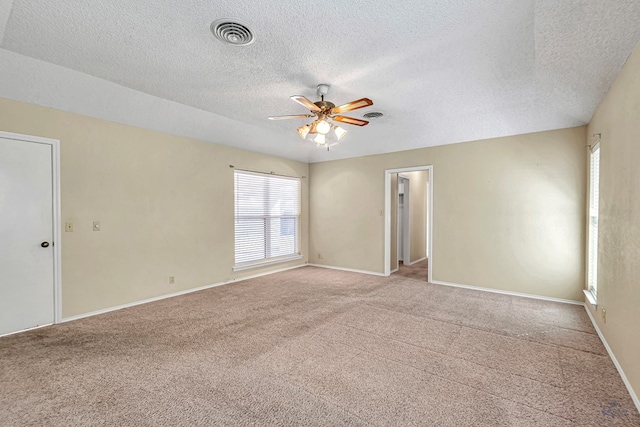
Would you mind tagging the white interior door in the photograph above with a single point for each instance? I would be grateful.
(26, 235)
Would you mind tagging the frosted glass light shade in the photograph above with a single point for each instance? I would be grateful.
(323, 127)
(339, 132)
(303, 131)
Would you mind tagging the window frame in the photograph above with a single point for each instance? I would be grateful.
(593, 212)
(239, 266)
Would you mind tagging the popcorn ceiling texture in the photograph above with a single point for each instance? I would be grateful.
(442, 72)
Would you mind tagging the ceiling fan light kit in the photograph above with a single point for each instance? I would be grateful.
(321, 131)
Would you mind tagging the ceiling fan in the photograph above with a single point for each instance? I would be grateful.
(322, 131)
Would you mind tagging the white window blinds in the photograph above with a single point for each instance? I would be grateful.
(594, 194)
(267, 217)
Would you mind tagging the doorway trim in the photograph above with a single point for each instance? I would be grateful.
(387, 217)
(57, 232)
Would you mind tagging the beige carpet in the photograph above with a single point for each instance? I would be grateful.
(418, 271)
(318, 347)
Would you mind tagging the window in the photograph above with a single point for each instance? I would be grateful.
(267, 219)
(592, 256)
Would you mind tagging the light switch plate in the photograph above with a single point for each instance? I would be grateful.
(96, 225)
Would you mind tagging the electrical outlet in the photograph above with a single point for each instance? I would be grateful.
(320, 256)
(172, 279)
(68, 227)
(604, 315)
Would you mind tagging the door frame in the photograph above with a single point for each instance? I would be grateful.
(387, 216)
(57, 231)
(427, 229)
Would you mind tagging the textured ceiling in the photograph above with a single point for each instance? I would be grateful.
(441, 72)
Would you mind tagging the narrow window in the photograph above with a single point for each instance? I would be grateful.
(267, 219)
(592, 256)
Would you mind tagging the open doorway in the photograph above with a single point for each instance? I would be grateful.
(408, 222)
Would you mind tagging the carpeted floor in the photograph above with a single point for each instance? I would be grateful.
(318, 347)
(418, 271)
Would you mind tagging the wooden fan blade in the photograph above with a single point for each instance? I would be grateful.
(305, 103)
(350, 120)
(297, 116)
(353, 105)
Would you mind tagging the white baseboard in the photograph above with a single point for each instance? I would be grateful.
(394, 270)
(174, 294)
(25, 330)
(351, 270)
(516, 294)
(626, 382)
(416, 261)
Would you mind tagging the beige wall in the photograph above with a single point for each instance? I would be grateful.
(508, 212)
(617, 119)
(418, 213)
(165, 205)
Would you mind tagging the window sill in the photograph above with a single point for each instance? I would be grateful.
(590, 298)
(265, 263)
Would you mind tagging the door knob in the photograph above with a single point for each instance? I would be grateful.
(44, 244)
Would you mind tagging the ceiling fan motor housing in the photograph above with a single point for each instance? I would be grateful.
(325, 106)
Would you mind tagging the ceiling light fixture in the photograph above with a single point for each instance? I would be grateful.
(321, 131)
(312, 133)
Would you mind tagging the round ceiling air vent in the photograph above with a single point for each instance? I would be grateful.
(372, 115)
(232, 31)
